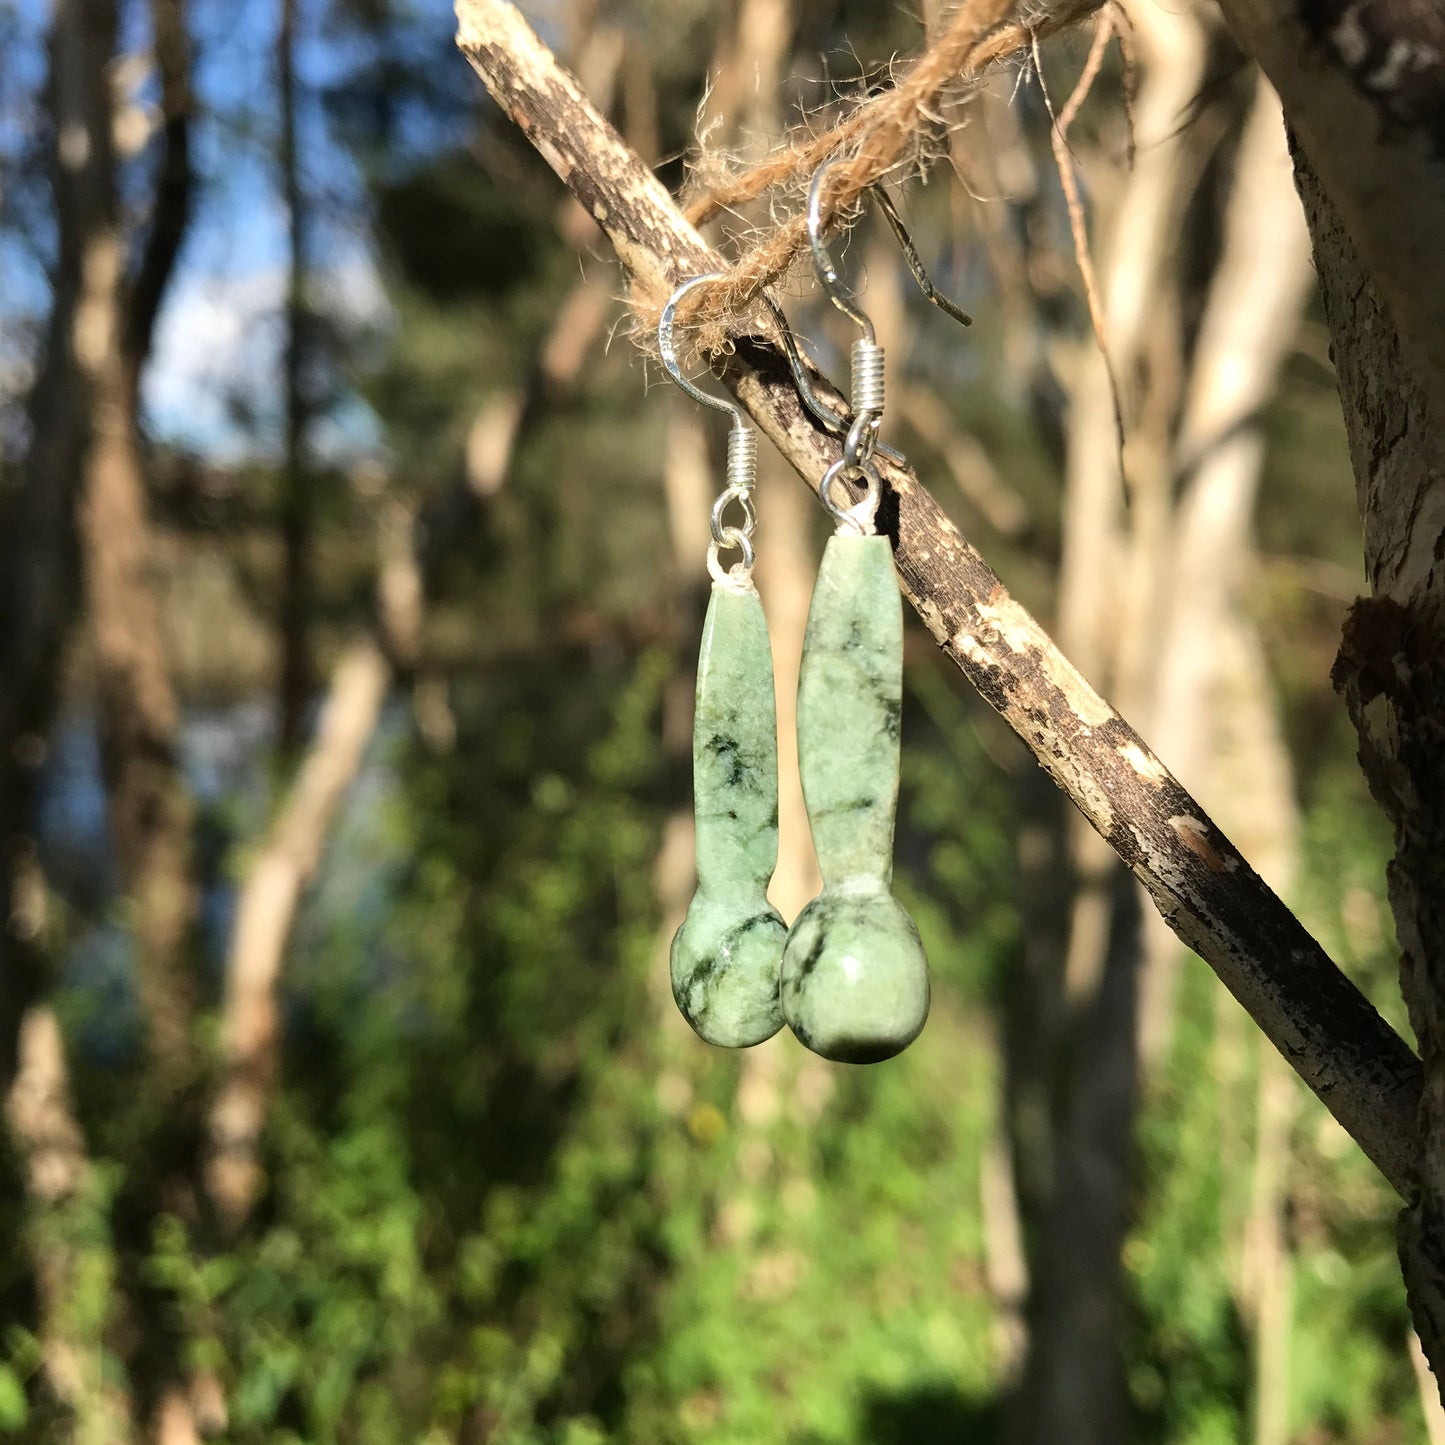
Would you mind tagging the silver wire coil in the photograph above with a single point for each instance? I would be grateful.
(867, 376)
(742, 476)
(742, 467)
(866, 368)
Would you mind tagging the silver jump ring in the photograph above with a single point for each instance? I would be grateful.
(743, 497)
(859, 515)
(862, 436)
(739, 575)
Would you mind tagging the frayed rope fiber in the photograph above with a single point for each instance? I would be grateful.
(877, 137)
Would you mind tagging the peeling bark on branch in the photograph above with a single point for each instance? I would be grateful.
(1208, 894)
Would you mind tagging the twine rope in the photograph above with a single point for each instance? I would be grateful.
(879, 136)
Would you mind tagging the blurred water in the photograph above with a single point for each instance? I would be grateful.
(226, 759)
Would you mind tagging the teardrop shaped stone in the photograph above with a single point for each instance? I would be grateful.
(727, 955)
(855, 979)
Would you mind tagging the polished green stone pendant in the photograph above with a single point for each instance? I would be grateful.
(855, 981)
(726, 955)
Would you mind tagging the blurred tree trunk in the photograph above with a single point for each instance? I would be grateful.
(1249, 322)
(297, 510)
(1253, 779)
(1364, 95)
(83, 483)
(39, 578)
(150, 812)
(81, 459)
(1213, 711)
(1074, 1023)
(1074, 1365)
(68, 1243)
(265, 914)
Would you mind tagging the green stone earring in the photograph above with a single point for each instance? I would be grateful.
(726, 957)
(855, 979)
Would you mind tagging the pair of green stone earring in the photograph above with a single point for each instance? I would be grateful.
(850, 977)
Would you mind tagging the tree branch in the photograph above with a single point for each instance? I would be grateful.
(1212, 898)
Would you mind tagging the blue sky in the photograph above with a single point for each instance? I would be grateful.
(219, 336)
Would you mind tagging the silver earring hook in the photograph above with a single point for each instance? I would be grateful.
(827, 272)
(668, 352)
(867, 368)
(826, 417)
(865, 388)
(915, 263)
(742, 464)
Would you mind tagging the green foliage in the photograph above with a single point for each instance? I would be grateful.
(14, 1407)
(1347, 1364)
(509, 1195)
(401, 1283)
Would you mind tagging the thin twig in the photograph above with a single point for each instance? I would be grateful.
(1093, 63)
(1078, 227)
